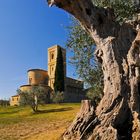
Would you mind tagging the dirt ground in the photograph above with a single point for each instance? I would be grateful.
(46, 126)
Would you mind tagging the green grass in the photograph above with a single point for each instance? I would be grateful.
(21, 123)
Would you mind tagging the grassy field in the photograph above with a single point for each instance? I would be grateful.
(20, 123)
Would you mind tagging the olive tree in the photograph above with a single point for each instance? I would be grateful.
(118, 50)
(33, 97)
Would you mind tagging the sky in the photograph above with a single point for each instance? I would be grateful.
(27, 29)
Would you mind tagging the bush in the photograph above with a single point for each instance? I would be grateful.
(57, 97)
(95, 94)
(4, 103)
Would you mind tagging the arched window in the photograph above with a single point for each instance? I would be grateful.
(30, 81)
(52, 56)
(46, 81)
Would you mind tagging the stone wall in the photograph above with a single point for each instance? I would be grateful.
(74, 91)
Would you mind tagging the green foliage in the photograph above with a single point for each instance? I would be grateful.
(95, 94)
(58, 97)
(32, 97)
(83, 47)
(4, 103)
(59, 72)
(123, 9)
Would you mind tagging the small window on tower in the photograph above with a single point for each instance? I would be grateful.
(52, 56)
(52, 68)
(30, 80)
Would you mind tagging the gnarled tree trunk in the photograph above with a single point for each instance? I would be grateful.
(118, 49)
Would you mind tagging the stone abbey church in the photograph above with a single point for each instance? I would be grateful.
(73, 88)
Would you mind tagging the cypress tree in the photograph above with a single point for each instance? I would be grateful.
(59, 72)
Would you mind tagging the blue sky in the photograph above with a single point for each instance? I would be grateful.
(27, 29)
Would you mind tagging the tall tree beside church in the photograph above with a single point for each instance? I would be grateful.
(117, 116)
(59, 72)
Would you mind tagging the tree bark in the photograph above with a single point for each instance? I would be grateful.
(83, 123)
(117, 117)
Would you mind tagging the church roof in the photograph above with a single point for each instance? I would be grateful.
(37, 70)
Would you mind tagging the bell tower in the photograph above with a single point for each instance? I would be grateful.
(52, 60)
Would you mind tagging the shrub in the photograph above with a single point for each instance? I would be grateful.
(58, 97)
